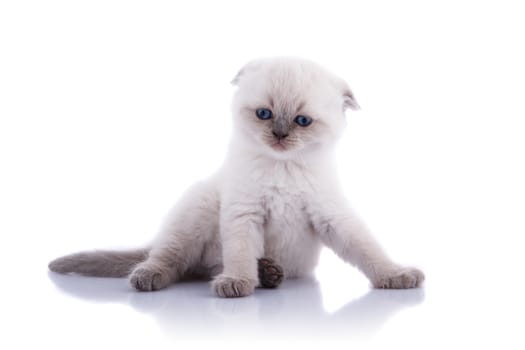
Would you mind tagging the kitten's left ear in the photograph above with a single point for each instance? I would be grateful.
(349, 100)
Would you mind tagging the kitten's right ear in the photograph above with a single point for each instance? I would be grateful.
(246, 69)
(235, 80)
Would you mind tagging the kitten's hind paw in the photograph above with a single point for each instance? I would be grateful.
(403, 278)
(146, 279)
(270, 273)
(230, 287)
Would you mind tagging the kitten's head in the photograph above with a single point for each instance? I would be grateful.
(287, 106)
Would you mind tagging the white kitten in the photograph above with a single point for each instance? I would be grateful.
(276, 195)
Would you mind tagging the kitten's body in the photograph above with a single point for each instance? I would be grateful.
(275, 196)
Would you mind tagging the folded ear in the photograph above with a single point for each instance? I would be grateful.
(235, 80)
(249, 67)
(349, 100)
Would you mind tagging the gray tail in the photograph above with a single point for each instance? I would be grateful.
(100, 263)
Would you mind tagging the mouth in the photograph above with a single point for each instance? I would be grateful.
(279, 146)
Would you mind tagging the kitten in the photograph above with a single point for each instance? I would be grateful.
(275, 196)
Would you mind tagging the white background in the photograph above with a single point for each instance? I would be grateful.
(110, 109)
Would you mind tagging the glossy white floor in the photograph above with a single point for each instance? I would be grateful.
(100, 133)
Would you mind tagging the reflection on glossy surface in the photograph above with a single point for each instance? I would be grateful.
(296, 308)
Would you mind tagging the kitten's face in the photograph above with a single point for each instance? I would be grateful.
(289, 107)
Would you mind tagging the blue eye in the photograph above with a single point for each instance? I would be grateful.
(263, 113)
(302, 120)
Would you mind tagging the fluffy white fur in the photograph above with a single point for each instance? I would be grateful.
(277, 197)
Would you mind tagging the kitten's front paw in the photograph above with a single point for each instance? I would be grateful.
(147, 279)
(230, 287)
(402, 278)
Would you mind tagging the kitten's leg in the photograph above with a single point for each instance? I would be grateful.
(192, 223)
(242, 244)
(162, 268)
(348, 237)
